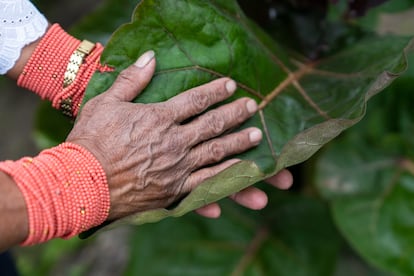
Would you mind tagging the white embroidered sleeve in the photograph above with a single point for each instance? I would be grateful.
(20, 24)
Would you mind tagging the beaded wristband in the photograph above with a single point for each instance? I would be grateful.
(65, 190)
(44, 73)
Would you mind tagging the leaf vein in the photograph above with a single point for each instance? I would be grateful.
(267, 134)
(291, 79)
(214, 73)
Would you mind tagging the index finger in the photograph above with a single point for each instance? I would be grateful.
(133, 80)
(198, 99)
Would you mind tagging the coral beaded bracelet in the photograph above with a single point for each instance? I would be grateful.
(65, 190)
(60, 68)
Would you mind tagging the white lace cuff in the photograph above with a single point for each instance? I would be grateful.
(20, 24)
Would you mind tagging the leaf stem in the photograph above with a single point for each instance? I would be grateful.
(254, 246)
(407, 165)
(213, 73)
(291, 79)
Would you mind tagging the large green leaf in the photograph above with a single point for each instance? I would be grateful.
(375, 211)
(303, 105)
(369, 179)
(293, 236)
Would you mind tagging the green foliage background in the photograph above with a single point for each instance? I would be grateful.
(352, 200)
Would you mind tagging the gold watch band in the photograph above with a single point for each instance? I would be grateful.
(76, 60)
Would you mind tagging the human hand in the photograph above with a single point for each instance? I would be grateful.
(251, 197)
(153, 154)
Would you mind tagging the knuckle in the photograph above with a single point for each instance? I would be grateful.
(216, 151)
(165, 108)
(158, 115)
(126, 78)
(175, 143)
(240, 114)
(215, 122)
(199, 100)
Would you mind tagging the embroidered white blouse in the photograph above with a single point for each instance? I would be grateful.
(20, 24)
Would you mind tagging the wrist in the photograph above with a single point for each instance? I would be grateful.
(14, 226)
(21, 24)
(25, 55)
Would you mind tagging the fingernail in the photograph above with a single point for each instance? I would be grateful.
(231, 86)
(251, 106)
(145, 59)
(255, 136)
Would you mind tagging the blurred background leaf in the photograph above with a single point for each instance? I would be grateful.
(368, 176)
(293, 236)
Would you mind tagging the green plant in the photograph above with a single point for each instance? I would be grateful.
(312, 68)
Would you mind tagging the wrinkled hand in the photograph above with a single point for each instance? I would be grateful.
(154, 154)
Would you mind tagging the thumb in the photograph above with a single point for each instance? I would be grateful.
(132, 80)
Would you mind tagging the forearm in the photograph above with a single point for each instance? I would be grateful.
(13, 214)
